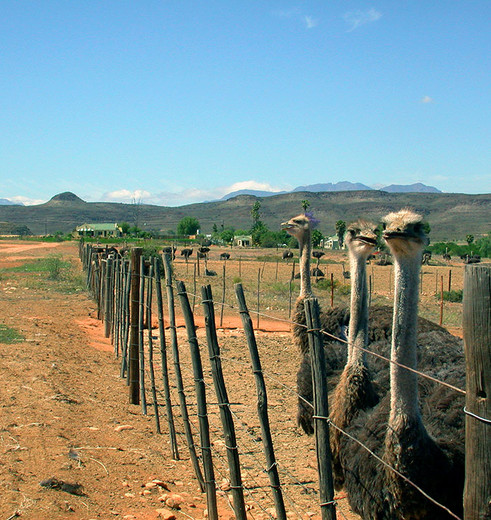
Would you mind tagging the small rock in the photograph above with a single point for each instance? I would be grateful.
(150, 485)
(129, 495)
(160, 483)
(166, 514)
(123, 427)
(174, 501)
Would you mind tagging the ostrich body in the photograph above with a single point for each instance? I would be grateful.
(346, 274)
(224, 256)
(355, 390)
(287, 255)
(171, 250)
(332, 321)
(395, 429)
(186, 253)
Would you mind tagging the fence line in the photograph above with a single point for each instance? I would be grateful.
(108, 282)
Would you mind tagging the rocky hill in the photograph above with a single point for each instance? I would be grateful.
(450, 215)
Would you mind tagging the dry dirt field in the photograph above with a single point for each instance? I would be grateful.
(65, 411)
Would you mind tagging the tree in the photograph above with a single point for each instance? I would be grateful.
(188, 226)
(317, 237)
(215, 228)
(21, 230)
(227, 235)
(469, 239)
(305, 205)
(340, 231)
(255, 213)
(124, 227)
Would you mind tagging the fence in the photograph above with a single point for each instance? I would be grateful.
(127, 292)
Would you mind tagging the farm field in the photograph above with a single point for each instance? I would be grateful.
(65, 411)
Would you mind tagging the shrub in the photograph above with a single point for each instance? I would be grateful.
(453, 296)
(54, 266)
(237, 279)
(8, 335)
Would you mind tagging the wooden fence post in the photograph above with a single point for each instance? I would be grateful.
(199, 384)
(258, 296)
(441, 302)
(133, 360)
(150, 349)
(141, 350)
(163, 360)
(223, 404)
(321, 410)
(108, 287)
(477, 339)
(223, 296)
(332, 290)
(262, 405)
(178, 374)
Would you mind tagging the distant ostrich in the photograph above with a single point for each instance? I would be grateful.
(316, 271)
(332, 321)
(346, 274)
(395, 429)
(447, 257)
(355, 390)
(426, 258)
(224, 256)
(287, 255)
(170, 250)
(186, 253)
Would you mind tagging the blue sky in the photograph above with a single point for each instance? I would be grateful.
(173, 102)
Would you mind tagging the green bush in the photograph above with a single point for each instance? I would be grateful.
(8, 335)
(54, 266)
(453, 296)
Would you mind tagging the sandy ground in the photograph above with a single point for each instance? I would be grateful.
(65, 416)
(65, 411)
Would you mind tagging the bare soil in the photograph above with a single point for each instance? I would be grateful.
(65, 411)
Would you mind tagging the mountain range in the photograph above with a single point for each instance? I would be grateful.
(451, 215)
(418, 187)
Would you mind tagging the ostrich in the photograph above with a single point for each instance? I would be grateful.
(318, 255)
(171, 250)
(346, 274)
(224, 256)
(287, 255)
(186, 253)
(395, 429)
(355, 390)
(332, 321)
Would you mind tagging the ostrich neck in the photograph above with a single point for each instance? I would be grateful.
(305, 249)
(358, 324)
(404, 383)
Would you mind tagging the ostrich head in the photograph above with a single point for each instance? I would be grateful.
(361, 238)
(300, 226)
(404, 233)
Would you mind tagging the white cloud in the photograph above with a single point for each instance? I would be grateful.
(295, 13)
(26, 200)
(310, 22)
(126, 195)
(426, 99)
(358, 18)
(183, 196)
